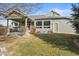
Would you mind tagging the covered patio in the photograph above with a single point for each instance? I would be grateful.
(20, 22)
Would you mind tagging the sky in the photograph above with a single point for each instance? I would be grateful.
(64, 9)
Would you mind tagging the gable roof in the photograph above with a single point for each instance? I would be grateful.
(53, 13)
(15, 13)
(49, 17)
(15, 9)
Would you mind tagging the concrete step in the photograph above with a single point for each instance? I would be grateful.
(16, 34)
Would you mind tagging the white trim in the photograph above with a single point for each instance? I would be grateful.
(42, 24)
(35, 23)
(65, 33)
(54, 27)
(51, 25)
(47, 26)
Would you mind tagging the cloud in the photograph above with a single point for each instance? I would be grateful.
(63, 12)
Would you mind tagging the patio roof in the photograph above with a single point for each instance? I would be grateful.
(15, 14)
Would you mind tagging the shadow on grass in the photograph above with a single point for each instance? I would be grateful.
(61, 41)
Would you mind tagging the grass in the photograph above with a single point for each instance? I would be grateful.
(46, 45)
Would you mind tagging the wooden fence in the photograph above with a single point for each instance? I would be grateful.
(3, 30)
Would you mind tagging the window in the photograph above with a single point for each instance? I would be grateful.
(38, 24)
(46, 24)
(16, 24)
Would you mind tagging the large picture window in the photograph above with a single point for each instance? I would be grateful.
(38, 24)
(46, 24)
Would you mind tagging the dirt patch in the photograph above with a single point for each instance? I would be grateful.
(9, 42)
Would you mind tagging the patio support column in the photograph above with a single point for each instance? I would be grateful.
(26, 27)
(42, 26)
(8, 31)
(25, 24)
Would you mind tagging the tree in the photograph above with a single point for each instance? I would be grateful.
(75, 20)
(1, 25)
(29, 8)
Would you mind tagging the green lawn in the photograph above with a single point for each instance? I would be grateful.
(47, 45)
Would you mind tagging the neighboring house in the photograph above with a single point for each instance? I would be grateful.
(52, 22)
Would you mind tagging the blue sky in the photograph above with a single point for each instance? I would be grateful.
(62, 8)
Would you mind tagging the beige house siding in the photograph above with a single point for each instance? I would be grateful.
(64, 26)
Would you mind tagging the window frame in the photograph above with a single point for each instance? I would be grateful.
(47, 26)
(40, 26)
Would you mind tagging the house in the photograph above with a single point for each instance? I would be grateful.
(52, 22)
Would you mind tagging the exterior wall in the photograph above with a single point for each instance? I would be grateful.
(64, 26)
